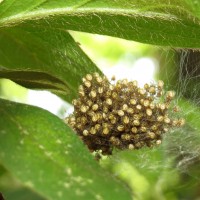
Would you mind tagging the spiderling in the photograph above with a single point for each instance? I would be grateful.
(122, 115)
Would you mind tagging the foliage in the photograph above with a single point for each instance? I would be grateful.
(40, 156)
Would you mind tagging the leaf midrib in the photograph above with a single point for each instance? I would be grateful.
(35, 15)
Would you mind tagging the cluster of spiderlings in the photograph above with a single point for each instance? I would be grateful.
(121, 115)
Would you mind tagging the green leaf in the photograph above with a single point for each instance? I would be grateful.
(160, 22)
(43, 58)
(46, 156)
(11, 188)
(21, 194)
(143, 169)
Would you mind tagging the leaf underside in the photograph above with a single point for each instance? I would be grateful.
(161, 22)
(43, 58)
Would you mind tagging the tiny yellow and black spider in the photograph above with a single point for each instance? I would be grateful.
(122, 115)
